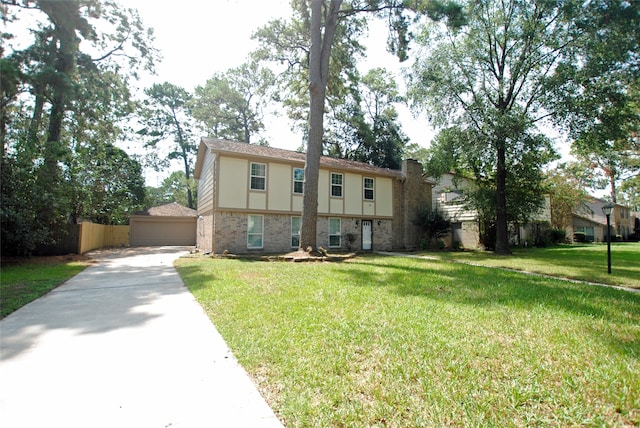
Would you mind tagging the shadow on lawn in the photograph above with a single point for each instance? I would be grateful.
(113, 293)
(480, 286)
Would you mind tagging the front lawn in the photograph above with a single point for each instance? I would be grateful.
(23, 281)
(585, 262)
(387, 341)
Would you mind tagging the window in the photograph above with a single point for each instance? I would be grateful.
(335, 227)
(589, 232)
(368, 188)
(336, 185)
(295, 232)
(255, 227)
(298, 180)
(258, 176)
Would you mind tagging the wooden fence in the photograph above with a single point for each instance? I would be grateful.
(84, 237)
(65, 241)
(93, 236)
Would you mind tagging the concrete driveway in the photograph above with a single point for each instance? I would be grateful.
(123, 344)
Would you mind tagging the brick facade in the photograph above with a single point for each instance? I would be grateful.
(229, 232)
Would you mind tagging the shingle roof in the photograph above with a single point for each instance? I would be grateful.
(233, 147)
(173, 209)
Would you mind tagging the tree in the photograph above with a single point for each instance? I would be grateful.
(166, 115)
(432, 223)
(173, 189)
(65, 93)
(462, 152)
(112, 184)
(231, 104)
(365, 128)
(490, 80)
(323, 27)
(567, 196)
(597, 94)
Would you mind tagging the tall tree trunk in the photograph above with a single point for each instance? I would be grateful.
(185, 157)
(318, 74)
(54, 151)
(502, 238)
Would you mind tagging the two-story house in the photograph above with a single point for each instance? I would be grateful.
(448, 198)
(250, 200)
(591, 221)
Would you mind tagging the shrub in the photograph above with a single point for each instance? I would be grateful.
(424, 244)
(579, 237)
(557, 236)
(432, 224)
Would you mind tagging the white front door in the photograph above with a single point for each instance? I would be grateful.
(367, 226)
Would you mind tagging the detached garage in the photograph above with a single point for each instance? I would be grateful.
(170, 224)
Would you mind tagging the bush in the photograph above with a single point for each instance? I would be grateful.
(579, 237)
(432, 224)
(557, 236)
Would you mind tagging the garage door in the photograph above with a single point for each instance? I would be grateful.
(158, 231)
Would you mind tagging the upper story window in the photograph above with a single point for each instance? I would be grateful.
(368, 188)
(258, 176)
(298, 180)
(336, 185)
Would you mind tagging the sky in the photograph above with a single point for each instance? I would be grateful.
(198, 38)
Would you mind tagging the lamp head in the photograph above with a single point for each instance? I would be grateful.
(607, 208)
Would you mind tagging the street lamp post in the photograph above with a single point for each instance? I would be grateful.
(606, 210)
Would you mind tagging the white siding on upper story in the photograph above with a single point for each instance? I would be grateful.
(336, 205)
(323, 192)
(232, 191)
(233, 182)
(257, 200)
(296, 203)
(280, 187)
(353, 194)
(205, 184)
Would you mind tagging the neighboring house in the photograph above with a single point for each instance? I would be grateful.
(447, 197)
(168, 224)
(250, 200)
(592, 222)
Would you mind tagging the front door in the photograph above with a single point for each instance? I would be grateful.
(367, 226)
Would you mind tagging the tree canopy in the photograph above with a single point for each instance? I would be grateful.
(319, 49)
(499, 78)
(231, 104)
(65, 95)
(166, 115)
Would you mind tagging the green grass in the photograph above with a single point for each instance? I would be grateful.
(586, 262)
(384, 341)
(23, 282)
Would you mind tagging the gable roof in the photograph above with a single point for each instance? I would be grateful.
(235, 148)
(592, 211)
(172, 209)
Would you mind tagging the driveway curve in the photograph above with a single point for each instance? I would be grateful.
(123, 344)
